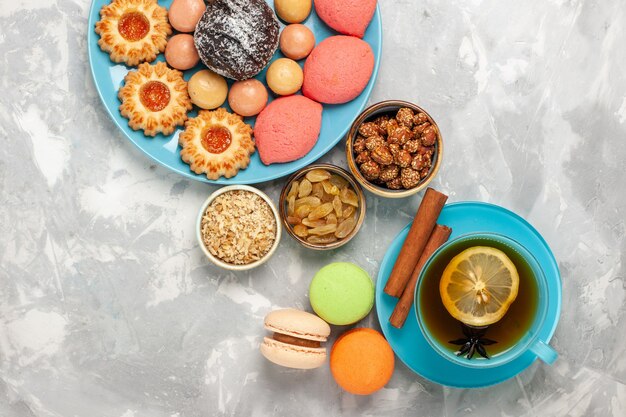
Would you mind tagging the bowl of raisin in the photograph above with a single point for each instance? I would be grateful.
(322, 206)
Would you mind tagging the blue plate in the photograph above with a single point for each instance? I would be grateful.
(408, 342)
(336, 119)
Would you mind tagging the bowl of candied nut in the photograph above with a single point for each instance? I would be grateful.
(394, 149)
(322, 206)
(238, 227)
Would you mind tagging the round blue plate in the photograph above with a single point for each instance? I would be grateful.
(408, 342)
(336, 119)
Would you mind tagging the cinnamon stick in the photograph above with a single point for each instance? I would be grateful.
(437, 238)
(420, 231)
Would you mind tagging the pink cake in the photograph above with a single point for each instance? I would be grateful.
(338, 70)
(287, 129)
(350, 17)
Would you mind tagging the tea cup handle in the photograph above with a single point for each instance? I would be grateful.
(545, 352)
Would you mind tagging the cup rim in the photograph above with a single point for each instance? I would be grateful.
(519, 348)
(218, 261)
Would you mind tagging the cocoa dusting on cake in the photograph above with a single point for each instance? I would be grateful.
(237, 38)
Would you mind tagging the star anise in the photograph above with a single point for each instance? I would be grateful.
(473, 342)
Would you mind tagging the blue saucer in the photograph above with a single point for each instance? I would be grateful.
(408, 342)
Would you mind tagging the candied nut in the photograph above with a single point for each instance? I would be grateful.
(368, 129)
(370, 170)
(382, 155)
(359, 144)
(405, 117)
(420, 118)
(382, 122)
(374, 142)
(429, 136)
(424, 172)
(410, 178)
(317, 175)
(395, 184)
(426, 151)
(394, 148)
(419, 129)
(363, 157)
(420, 162)
(401, 135)
(403, 159)
(412, 146)
(392, 125)
(389, 172)
(305, 188)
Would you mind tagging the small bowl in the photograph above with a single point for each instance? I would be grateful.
(334, 170)
(218, 261)
(391, 107)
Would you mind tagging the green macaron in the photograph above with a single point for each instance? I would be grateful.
(341, 293)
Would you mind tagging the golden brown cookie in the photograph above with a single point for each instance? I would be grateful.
(154, 99)
(133, 31)
(216, 143)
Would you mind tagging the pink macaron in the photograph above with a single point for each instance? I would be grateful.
(338, 70)
(287, 129)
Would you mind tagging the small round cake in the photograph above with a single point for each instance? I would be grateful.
(287, 129)
(338, 70)
(237, 38)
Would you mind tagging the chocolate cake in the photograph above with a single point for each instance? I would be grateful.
(237, 38)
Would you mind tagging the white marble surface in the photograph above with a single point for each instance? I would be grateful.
(108, 308)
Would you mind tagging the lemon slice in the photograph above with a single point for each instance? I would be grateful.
(478, 285)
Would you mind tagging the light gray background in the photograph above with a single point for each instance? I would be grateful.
(108, 308)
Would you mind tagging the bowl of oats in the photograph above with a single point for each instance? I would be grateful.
(238, 228)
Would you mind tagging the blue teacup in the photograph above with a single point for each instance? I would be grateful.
(529, 335)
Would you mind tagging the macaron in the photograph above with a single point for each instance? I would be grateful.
(341, 293)
(361, 361)
(297, 339)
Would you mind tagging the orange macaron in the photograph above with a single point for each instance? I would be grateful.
(361, 361)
